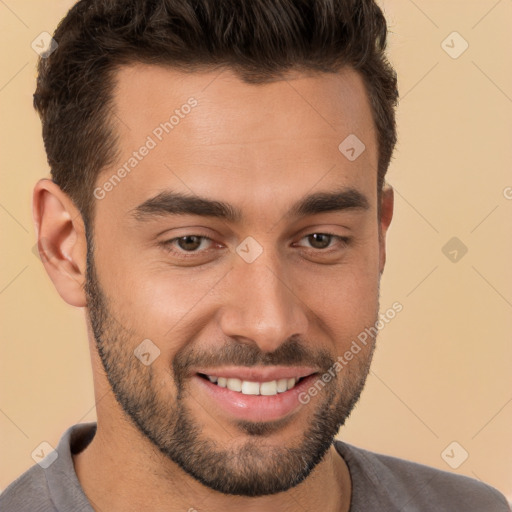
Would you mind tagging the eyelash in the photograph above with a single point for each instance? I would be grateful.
(169, 244)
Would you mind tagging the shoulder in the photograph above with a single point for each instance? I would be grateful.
(27, 493)
(52, 484)
(415, 487)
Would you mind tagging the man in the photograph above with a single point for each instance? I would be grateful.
(218, 206)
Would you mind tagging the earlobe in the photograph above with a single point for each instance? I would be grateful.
(386, 215)
(61, 240)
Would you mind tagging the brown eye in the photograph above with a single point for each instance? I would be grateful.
(192, 244)
(319, 240)
(189, 242)
(324, 243)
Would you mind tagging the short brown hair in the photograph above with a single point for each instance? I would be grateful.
(259, 40)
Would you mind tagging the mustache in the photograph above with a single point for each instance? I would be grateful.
(293, 352)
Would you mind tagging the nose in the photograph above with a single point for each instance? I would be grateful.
(261, 306)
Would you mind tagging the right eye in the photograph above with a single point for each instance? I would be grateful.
(186, 244)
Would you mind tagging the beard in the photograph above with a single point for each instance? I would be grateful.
(248, 466)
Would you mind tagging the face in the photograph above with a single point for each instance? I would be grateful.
(235, 258)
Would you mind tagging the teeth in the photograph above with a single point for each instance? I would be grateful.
(234, 384)
(247, 387)
(268, 388)
(282, 385)
(250, 388)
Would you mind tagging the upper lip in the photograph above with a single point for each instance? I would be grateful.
(259, 373)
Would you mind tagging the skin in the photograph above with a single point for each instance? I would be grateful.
(260, 148)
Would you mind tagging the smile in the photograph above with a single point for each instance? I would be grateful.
(254, 393)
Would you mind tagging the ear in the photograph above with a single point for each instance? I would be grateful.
(386, 214)
(61, 240)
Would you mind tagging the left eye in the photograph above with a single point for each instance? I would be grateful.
(320, 240)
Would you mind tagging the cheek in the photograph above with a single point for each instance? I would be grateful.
(172, 298)
(345, 307)
(160, 305)
(143, 288)
(347, 286)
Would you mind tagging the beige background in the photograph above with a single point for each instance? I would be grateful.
(442, 368)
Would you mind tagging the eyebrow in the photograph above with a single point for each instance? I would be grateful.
(169, 202)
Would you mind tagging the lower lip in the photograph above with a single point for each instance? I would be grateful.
(256, 408)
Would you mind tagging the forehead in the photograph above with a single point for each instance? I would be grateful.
(212, 134)
(302, 104)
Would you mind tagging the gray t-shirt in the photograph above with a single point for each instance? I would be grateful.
(379, 483)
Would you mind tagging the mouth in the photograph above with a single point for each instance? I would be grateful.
(254, 394)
